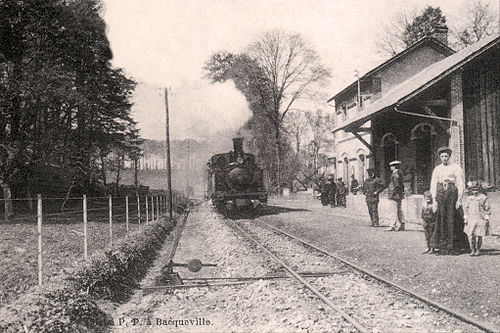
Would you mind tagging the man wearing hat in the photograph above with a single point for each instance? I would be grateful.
(323, 187)
(396, 192)
(371, 189)
(447, 188)
(330, 191)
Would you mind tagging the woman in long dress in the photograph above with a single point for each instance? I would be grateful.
(447, 188)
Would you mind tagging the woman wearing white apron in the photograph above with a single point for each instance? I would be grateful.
(447, 188)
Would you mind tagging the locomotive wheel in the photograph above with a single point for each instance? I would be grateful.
(251, 213)
(219, 206)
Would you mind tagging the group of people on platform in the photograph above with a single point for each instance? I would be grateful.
(333, 193)
(450, 224)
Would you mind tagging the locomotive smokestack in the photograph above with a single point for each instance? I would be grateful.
(238, 145)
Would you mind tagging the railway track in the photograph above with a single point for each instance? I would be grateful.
(482, 326)
(252, 287)
(296, 275)
(245, 292)
(350, 317)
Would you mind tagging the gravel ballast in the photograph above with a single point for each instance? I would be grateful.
(259, 306)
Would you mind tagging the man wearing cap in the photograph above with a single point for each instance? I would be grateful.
(447, 188)
(371, 189)
(396, 192)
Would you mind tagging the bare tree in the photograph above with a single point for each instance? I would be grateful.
(293, 70)
(295, 125)
(480, 21)
(389, 38)
(319, 123)
(406, 28)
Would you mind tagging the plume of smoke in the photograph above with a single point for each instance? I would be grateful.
(196, 112)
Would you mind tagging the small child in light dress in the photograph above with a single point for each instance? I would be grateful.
(429, 218)
(476, 217)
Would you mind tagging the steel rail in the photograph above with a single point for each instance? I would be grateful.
(345, 315)
(365, 271)
(177, 238)
(264, 277)
(177, 233)
(149, 290)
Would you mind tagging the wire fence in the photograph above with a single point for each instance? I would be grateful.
(48, 235)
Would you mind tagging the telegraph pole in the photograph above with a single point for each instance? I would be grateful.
(188, 169)
(167, 147)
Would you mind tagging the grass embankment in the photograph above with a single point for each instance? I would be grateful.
(67, 303)
(62, 248)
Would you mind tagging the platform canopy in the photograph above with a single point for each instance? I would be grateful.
(418, 83)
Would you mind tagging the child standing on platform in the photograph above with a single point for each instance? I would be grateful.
(429, 217)
(476, 217)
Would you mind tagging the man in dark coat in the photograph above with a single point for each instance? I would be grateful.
(332, 192)
(371, 189)
(324, 191)
(341, 193)
(354, 185)
(396, 192)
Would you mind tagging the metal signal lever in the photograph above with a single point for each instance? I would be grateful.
(193, 265)
(169, 277)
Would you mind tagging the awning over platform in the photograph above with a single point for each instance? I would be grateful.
(418, 83)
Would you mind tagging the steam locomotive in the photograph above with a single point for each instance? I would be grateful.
(235, 182)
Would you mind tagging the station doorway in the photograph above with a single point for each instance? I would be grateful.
(422, 137)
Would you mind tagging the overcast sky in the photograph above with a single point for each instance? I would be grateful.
(164, 43)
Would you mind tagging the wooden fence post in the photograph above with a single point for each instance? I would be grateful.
(138, 210)
(152, 210)
(126, 212)
(157, 207)
(39, 222)
(110, 221)
(85, 228)
(147, 210)
(171, 202)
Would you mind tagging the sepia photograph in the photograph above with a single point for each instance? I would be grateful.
(249, 166)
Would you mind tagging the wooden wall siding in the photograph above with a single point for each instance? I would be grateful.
(482, 118)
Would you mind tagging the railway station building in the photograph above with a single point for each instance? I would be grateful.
(423, 98)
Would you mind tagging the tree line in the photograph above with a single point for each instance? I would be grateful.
(64, 110)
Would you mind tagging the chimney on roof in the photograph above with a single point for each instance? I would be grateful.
(441, 34)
